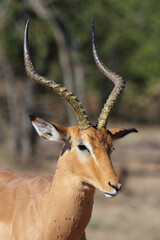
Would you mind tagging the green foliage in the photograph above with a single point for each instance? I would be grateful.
(127, 32)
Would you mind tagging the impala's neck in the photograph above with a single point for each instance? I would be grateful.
(69, 202)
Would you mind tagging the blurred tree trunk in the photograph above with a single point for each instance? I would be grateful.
(19, 102)
(11, 102)
(70, 70)
(3, 8)
(79, 76)
(26, 126)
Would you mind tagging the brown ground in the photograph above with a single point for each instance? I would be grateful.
(135, 213)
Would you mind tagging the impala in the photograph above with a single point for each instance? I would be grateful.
(60, 207)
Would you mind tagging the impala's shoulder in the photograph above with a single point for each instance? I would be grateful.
(10, 175)
(41, 181)
(23, 180)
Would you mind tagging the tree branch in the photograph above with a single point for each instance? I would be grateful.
(64, 57)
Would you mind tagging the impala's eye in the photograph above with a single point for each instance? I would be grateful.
(83, 148)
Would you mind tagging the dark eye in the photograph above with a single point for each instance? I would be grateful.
(83, 147)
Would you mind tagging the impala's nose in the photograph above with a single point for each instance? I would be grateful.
(115, 190)
(117, 187)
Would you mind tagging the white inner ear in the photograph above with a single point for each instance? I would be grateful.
(47, 130)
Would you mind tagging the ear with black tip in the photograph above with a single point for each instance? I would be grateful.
(117, 133)
(49, 130)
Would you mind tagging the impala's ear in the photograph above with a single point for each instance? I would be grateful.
(48, 130)
(117, 133)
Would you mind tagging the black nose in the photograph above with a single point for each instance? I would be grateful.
(117, 188)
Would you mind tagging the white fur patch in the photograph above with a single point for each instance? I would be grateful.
(107, 195)
(84, 153)
(88, 145)
(110, 194)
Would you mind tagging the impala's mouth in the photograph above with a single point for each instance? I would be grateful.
(111, 194)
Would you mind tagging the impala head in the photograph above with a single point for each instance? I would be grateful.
(87, 148)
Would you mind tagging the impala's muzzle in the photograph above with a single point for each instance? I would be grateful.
(117, 188)
(114, 192)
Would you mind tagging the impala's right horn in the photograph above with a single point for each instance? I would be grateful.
(82, 117)
(118, 81)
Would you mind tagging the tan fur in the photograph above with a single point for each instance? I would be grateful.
(46, 208)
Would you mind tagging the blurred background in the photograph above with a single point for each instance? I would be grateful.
(128, 36)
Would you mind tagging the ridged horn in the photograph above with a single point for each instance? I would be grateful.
(117, 80)
(82, 117)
